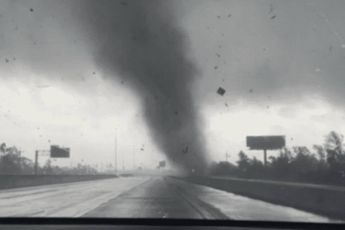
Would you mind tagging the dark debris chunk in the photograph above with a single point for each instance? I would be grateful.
(221, 91)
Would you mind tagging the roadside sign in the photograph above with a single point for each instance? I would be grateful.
(265, 142)
(59, 152)
(162, 164)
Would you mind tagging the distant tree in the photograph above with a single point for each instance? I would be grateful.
(334, 145)
(280, 166)
(324, 164)
(256, 167)
(243, 162)
(321, 152)
(10, 163)
(304, 162)
(47, 168)
(223, 168)
(27, 166)
(334, 141)
(3, 148)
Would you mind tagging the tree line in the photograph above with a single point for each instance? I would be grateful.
(323, 163)
(12, 163)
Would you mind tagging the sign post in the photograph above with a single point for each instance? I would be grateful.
(265, 157)
(36, 162)
(227, 157)
(37, 153)
(55, 152)
(265, 143)
(59, 152)
(161, 164)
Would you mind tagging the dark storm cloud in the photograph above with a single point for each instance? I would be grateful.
(138, 41)
(258, 51)
(39, 35)
(300, 53)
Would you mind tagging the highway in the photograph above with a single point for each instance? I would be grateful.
(141, 197)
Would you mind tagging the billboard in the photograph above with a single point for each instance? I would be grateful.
(265, 142)
(161, 164)
(59, 152)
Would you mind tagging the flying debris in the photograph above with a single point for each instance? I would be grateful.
(221, 91)
(330, 48)
(185, 150)
(271, 9)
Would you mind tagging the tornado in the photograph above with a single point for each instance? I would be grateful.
(142, 43)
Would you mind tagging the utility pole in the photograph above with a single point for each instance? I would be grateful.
(133, 158)
(227, 156)
(115, 151)
(123, 162)
(37, 152)
(36, 162)
(265, 157)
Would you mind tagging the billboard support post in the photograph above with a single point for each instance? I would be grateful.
(37, 153)
(36, 162)
(115, 150)
(265, 143)
(59, 152)
(54, 152)
(265, 157)
(227, 156)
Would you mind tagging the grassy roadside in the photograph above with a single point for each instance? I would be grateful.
(324, 200)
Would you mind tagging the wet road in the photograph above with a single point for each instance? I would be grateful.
(156, 198)
(143, 197)
(63, 200)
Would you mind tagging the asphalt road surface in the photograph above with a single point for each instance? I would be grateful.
(142, 197)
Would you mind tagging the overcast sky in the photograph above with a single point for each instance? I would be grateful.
(282, 64)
